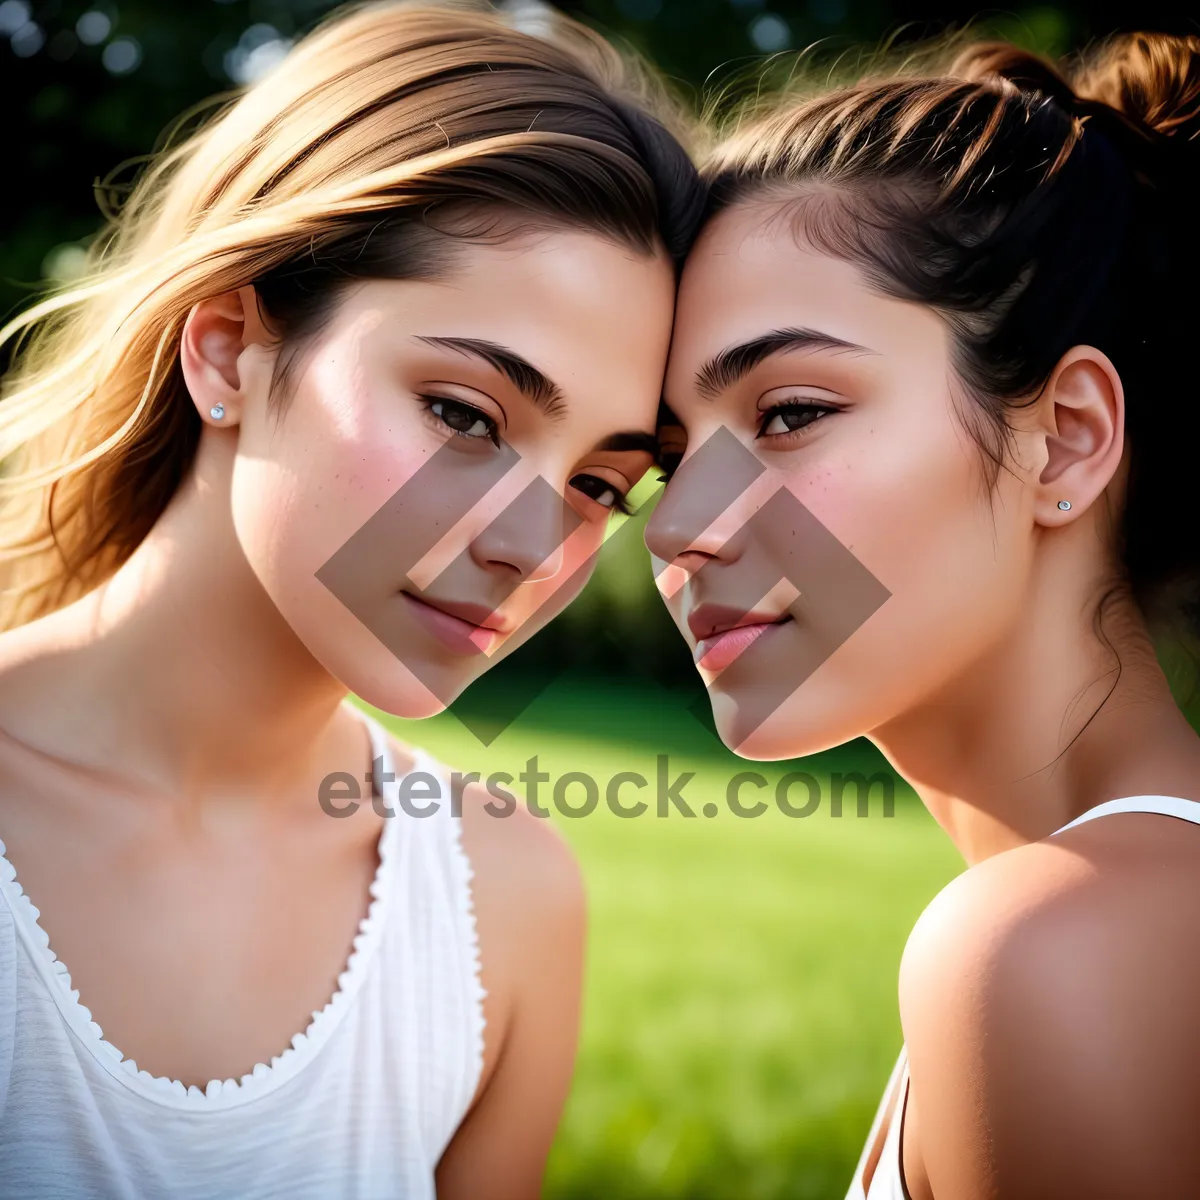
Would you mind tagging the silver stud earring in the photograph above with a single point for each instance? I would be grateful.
(217, 411)
(1064, 504)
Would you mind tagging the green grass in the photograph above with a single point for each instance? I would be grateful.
(740, 1014)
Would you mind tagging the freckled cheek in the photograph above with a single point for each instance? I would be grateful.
(902, 516)
(352, 440)
(851, 506)
(363, 477)
(302, 505)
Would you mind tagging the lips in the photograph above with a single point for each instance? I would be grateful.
(462, 627)
(723, 633)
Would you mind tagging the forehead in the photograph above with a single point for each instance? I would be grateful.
(593, 315)
(752, 271)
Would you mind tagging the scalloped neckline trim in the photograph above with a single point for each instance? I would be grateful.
(262, 1077)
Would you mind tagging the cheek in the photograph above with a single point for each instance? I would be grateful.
(304, 485)
(916, 513)
(955, 560)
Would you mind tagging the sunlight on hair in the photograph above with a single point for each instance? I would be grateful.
(381, 112)
(533, 17)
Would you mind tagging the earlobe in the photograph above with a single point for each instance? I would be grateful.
(214, 336)
(1086, 409)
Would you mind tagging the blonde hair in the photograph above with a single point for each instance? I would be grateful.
(382, 113)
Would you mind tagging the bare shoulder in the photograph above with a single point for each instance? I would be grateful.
(520, 859)
(1128, 884)
(514, 855)
(527, 888)
(1046, 998)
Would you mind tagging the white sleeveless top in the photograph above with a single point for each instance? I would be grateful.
(361, 1104)
(888, 1181)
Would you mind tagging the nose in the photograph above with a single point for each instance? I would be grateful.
(526, 537)
(673, 526)
(707, 481)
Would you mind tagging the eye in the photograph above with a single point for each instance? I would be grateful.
(601, 491)
(790, 418)
(463, 419)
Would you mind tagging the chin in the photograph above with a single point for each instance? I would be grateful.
(397, 690)
(410, 704)
(795, 729)
(382, 681)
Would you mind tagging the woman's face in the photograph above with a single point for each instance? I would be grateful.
(819, 621)
(449, 456)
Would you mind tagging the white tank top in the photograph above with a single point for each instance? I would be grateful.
(888, 1181)
(361, 1104)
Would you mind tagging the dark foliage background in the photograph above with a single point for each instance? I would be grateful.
(85, 86)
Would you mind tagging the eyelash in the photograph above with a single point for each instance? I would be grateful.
(670, 462)
(432, 403)
(620, 503)
(792, 406)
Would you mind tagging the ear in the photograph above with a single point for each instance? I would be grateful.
(215, 334)
(1084, 407)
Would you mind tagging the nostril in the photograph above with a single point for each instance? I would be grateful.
(525, 561)
(528, 534)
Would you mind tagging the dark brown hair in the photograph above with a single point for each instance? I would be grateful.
(1036, 206)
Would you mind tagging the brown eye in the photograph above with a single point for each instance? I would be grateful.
(600, 490)
(463, 419)
(787, 418)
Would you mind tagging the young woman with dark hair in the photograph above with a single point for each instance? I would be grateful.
(952, 316)
(344, 404)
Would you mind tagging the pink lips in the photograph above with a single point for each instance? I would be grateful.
(456, 633)
(723, 633)
(717, 652)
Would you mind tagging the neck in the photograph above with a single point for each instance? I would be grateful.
(1056, 719)
(179, 672)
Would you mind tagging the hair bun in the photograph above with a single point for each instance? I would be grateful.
(1151, 78)
(1002, 60)
(1141, 89)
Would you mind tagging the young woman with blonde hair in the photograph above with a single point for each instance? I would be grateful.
(941, 327)
(428, 249)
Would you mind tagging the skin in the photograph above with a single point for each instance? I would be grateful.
(106, 758)
(1047, 994)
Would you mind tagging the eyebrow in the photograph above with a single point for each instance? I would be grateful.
(631, 440)
(723, 370)
(537, 386)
